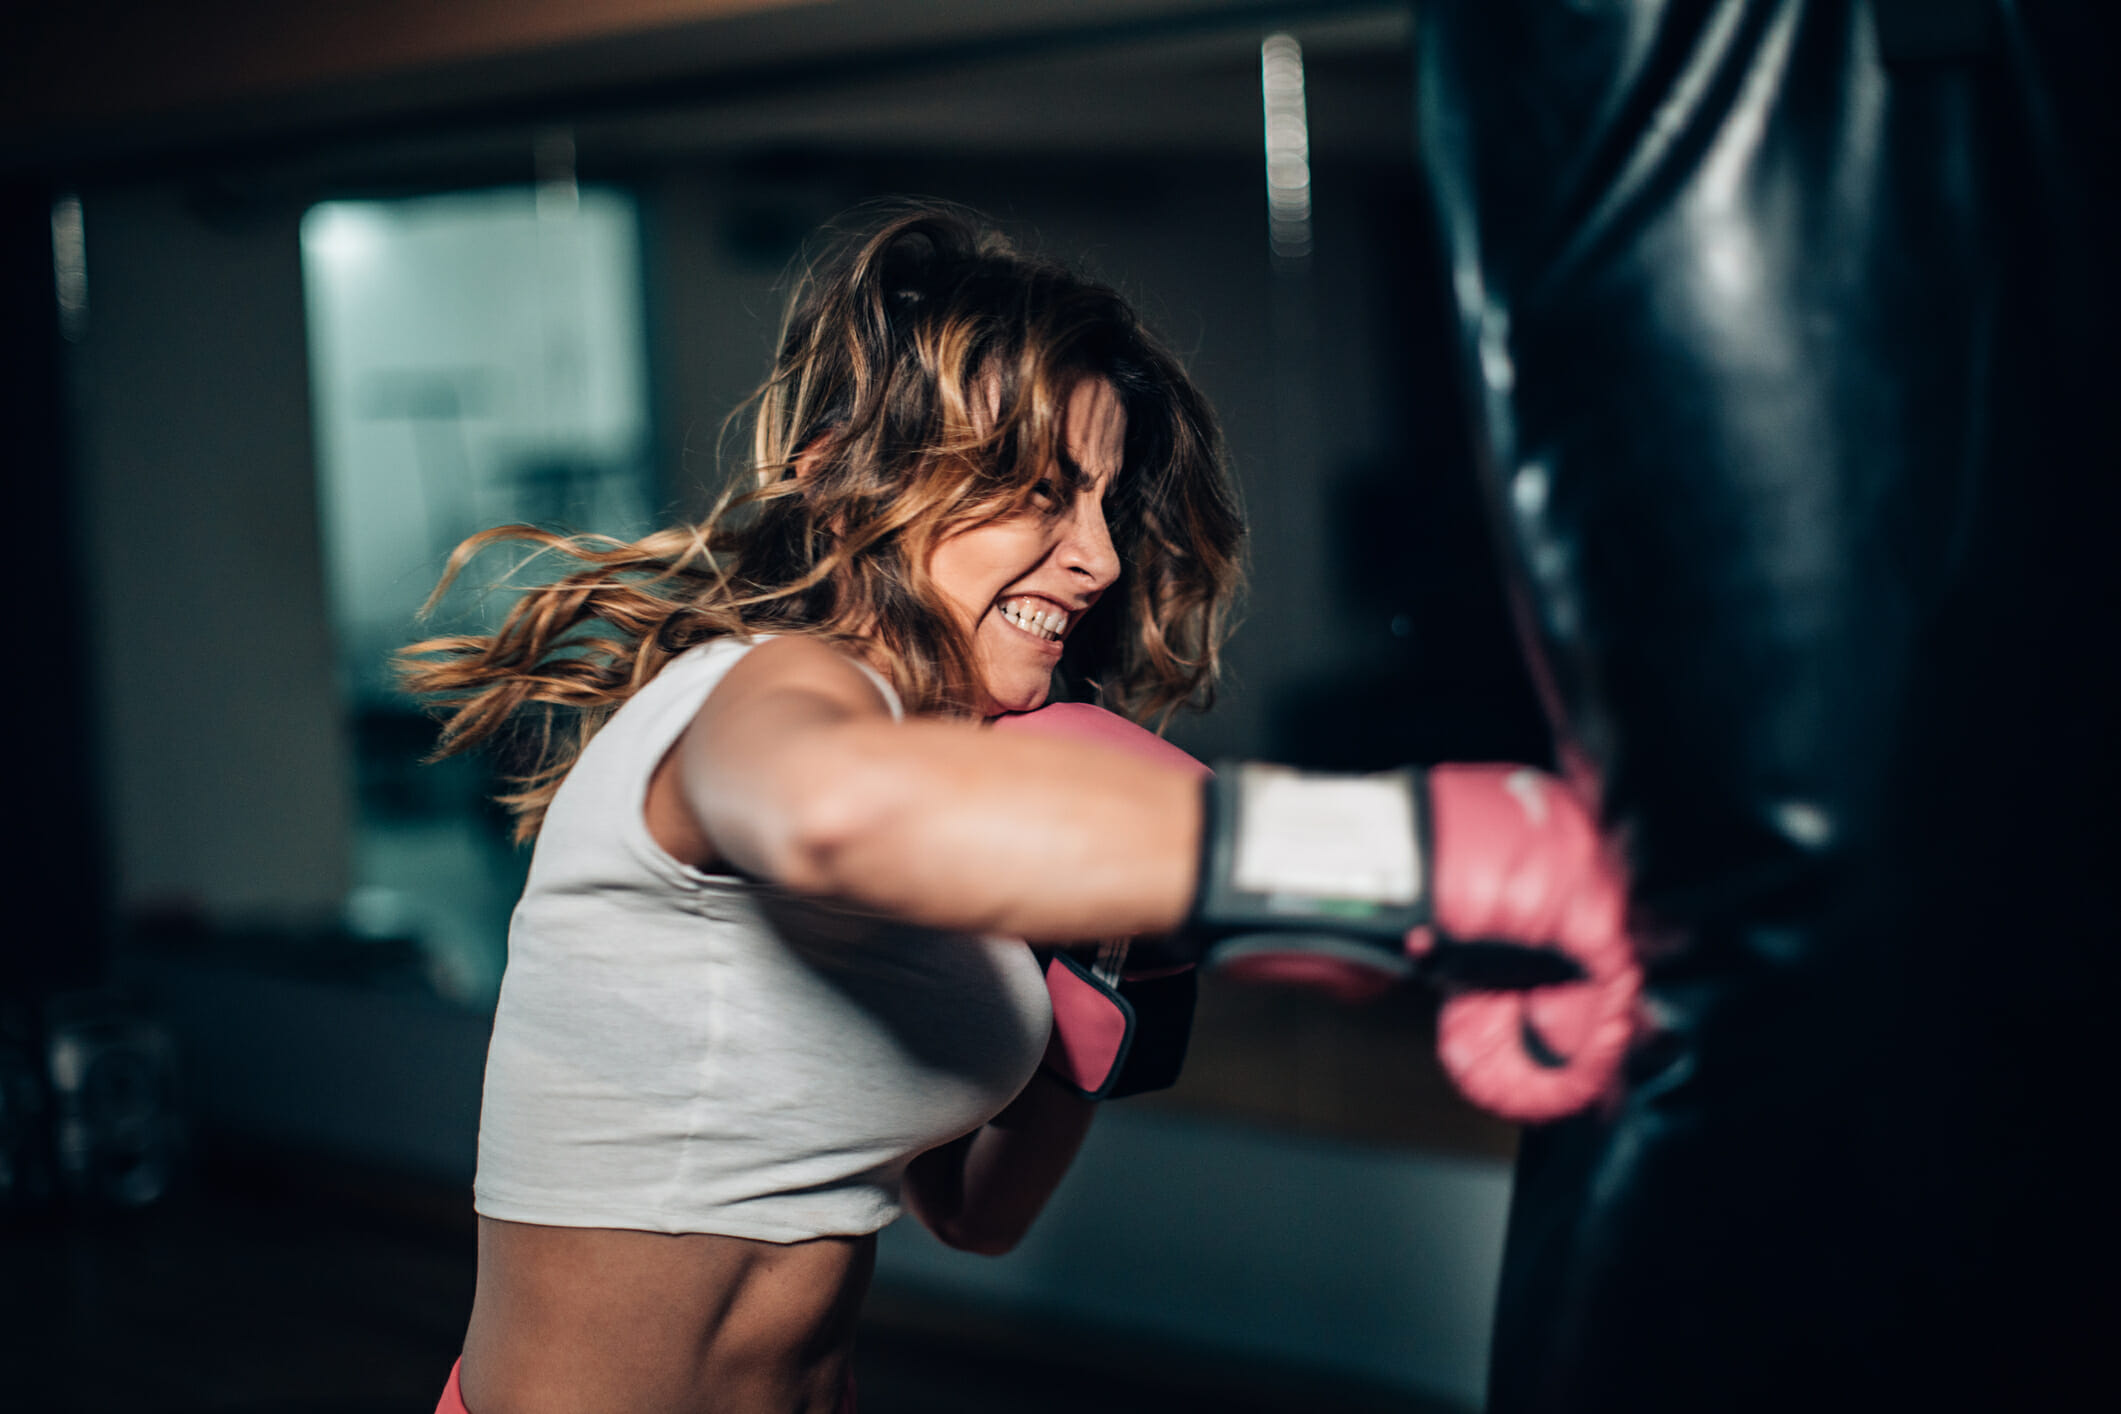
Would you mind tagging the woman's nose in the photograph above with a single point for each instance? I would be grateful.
(1088, 549)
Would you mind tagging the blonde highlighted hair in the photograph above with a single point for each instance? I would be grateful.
(922, 378)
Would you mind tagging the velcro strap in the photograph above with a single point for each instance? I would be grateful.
(1115, 1040)
(1093, 1028)
(1300, 852)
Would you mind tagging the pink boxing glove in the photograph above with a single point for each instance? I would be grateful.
(1116, 1031)
(1517, 858)
(1490, 883)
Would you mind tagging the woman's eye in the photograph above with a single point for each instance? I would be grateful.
(1046, 495)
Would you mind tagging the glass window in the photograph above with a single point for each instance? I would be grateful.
(475, 359)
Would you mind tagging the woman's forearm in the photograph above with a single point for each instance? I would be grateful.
(981, 1193)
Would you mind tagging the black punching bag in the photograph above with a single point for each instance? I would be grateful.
(1789, 326)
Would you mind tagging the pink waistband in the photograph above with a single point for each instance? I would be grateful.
(452, 1394)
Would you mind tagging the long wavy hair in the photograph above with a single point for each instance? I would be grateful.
(924, 369)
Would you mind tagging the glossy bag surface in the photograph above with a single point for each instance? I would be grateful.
(1788, 327)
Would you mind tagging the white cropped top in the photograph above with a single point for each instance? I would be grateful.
(677, 1051)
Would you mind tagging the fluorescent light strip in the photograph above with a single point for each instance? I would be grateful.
(1281, 82)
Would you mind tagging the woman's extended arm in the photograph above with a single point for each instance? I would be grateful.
(981, 1192)
(794, 771)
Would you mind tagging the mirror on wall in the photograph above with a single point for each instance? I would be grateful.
(476, 359)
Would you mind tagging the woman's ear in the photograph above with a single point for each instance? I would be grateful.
(808, 460)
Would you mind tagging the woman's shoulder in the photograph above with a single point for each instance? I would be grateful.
(661, 706)
(812, 662)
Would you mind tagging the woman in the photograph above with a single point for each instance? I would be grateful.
(974, 474)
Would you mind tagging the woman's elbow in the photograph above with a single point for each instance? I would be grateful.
(964, 1227)
(984, 1239)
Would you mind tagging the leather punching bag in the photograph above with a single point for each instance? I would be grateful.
(1789, 329)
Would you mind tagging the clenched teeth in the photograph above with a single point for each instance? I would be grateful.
(1035, 616)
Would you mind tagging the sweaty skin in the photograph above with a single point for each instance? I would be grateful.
(794, 771)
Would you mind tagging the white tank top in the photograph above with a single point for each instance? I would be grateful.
(676, 1051)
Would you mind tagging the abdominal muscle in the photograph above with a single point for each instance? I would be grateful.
(582, 1320)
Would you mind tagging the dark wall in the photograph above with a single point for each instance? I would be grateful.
(58, 934)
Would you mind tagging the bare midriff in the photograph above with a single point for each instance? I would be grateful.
(582, 1320)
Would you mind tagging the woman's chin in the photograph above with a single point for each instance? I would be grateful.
(1027, 697)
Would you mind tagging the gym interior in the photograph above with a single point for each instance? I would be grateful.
(297, 297)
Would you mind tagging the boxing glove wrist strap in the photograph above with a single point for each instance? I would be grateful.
(1115, 1037)
(1328, 863)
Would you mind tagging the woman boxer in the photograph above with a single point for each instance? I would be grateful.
(707, 1088)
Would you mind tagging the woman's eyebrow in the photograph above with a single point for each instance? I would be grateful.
(1071, 470)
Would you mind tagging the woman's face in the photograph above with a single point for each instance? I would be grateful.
(1024, 581)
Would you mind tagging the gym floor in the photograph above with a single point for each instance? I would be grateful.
(277, 1288)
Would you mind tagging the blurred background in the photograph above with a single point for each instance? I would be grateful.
(293, 298)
